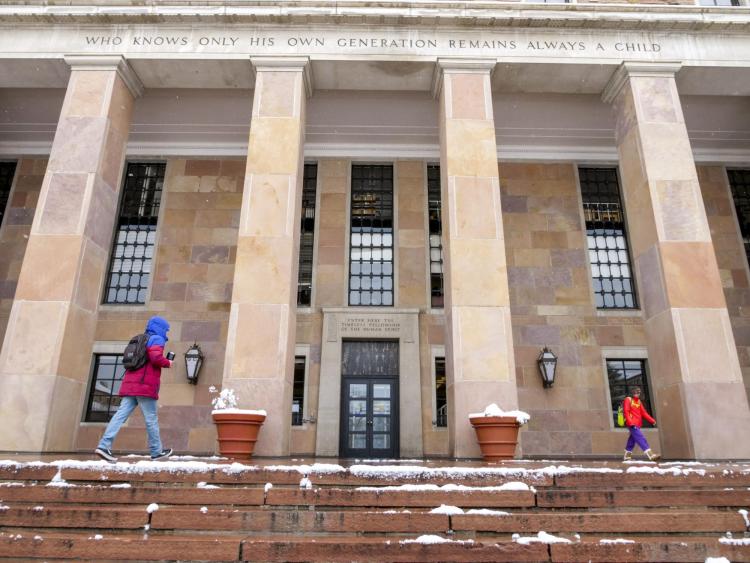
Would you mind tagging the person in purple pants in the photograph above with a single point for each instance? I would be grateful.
(635, 412)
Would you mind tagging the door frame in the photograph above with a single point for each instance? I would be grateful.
(395, 427)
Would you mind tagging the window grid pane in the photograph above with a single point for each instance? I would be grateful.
(371, 240)
(307, 236)
(441, 397)
(623, 376)
(719, 2)
(739, 182)
(133, 247)
(614, 287)
(298, 391)
(434, 206)
(107, 376)
(7, 172)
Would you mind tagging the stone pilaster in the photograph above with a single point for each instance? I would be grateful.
(259, 362)
(46, 356)
(701, 406)
(479, 341)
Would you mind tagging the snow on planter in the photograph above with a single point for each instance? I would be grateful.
(226, 403)
(494, 410)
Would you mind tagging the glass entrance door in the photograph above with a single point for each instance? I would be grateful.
(369, 418)
(369, 399)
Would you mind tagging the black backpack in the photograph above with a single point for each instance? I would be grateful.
(135, 356)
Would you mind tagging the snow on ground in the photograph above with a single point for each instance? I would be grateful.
(414, 488)
(388, 472)
(454, 510)
(433, 539)
(486, 512)
(204, 485)
(541, 537)
(447, 509)
(665, 470)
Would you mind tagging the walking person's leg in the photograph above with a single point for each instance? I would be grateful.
(643, 443)
(149, 409)
(629, 445)
(104, 449)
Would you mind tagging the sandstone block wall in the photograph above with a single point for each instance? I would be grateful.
(14, 233)
(191, 288)
(549, 283)
(730, 254)
(552, 305)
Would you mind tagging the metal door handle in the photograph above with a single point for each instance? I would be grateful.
(369, 422)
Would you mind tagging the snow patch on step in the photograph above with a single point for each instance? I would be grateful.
(541, 537)
(450, 487)
(429, 539)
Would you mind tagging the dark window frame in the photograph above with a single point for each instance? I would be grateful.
(441, 397)
(307, 234)
(607, 235)
(435, 236)
(372, 219)
(112, 400)
(618, 390)
(298, 418)
(739, 187)
(8, 169)
(714, 4)
(137, 213)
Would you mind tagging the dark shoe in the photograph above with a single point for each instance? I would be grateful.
(165, 453)
(105, 454)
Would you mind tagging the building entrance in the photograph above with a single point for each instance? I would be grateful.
(369, 399)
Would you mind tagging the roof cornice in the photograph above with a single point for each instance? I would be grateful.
(439, 13)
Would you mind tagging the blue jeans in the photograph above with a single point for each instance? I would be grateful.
(127, 406)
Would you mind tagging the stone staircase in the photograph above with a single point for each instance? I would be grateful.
(518, 511)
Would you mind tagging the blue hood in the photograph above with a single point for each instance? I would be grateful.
(157, 329)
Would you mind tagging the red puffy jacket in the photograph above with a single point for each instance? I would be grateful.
(145, 382)
(635, 412)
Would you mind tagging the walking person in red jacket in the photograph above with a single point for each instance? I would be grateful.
(141, 388)
(635, 412)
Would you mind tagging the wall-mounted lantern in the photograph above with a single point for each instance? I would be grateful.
(547, 364)
(193, 363)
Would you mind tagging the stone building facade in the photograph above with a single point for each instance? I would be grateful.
(373, 218)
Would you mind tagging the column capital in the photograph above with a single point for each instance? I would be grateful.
(633, 68)
(286, 64)
(116, 63)
(459, 66)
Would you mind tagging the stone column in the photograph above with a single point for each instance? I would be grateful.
(259, 362)
(701, 406)
(479, 341)
(46, 357)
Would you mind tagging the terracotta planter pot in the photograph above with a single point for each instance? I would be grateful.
(497, 436)
(237, 433)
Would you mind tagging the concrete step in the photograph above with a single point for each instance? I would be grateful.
(130, 547)
(643, 497)
(383, 497)
(366, 520)
(97, 494)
